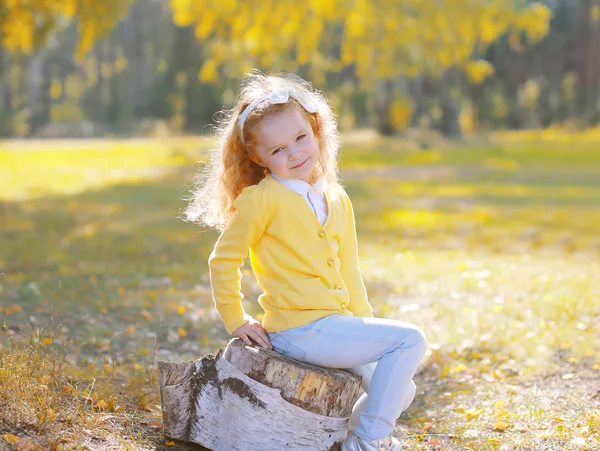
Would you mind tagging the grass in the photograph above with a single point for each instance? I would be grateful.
(491, 245)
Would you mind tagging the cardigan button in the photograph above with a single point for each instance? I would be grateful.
(321, 234)
(338, 288)
(331, 263)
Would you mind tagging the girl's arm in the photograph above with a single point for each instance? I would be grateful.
(245, 227)
(348, 255)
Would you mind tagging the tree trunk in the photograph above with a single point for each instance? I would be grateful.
(35, 88)
(138, 70)
(97, 105)
(416, 90)
(449, 123)
(5, 95)
(247, 398)
(384, 92)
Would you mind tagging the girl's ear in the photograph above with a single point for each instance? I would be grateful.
(256, 160)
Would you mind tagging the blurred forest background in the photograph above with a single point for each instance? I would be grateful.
(471, 152)
(77, 68)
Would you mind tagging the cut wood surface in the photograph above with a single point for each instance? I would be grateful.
(251, 399)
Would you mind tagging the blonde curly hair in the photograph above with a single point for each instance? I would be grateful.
(229, 169)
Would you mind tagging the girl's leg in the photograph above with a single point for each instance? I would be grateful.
(366, 372)
(348, 342)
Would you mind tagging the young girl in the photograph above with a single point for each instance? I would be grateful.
(273, 189)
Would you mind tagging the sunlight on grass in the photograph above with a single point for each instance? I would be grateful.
(38, 169)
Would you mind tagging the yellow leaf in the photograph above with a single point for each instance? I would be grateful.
(130, 331)
(9, 438)
(472, 413)
(208, 73)
(170, 443)
(55, 89)
(102, 405)
(47, 340)
(181, 310)
(181, 332)
(479, 70)
(147, 315)
(500, 426)
(400, 113)
(459, 367)
(499, 405)
(13, 309)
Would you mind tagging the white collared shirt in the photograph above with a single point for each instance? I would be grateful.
(313, 195)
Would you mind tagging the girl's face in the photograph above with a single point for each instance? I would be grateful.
(286, 145)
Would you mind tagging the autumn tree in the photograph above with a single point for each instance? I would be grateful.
(25, 28)
(384, 40)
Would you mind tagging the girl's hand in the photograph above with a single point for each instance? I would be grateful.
(253, 330)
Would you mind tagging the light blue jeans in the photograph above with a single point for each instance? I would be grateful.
(385, 352)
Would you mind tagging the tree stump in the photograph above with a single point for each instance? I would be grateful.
(250, 399)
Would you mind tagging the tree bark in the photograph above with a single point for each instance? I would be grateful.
(416, 90)
(247, 398)
(384, 92)
(449, 123)
(5, 95)
(35, 90)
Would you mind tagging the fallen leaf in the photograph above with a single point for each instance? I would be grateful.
(102, 405)
(500, 426)
(459, 367)
(12, 439)
(170, 443)
(26, 444)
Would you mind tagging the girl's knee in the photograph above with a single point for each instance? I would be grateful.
(421, 333)
(418, 335)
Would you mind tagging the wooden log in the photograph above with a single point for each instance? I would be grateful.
(249, 399)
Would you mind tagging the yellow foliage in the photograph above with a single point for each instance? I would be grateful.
(26, 25)
(400, 113)
(535, 21)
(479, 70)
(382, 38)
(208, 73)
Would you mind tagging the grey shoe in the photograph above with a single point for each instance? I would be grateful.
(355, 443)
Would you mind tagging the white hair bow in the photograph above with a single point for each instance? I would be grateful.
(274, 97)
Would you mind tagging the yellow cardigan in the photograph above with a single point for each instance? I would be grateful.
(306, 270)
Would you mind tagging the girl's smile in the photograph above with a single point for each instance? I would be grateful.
(300, 165)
